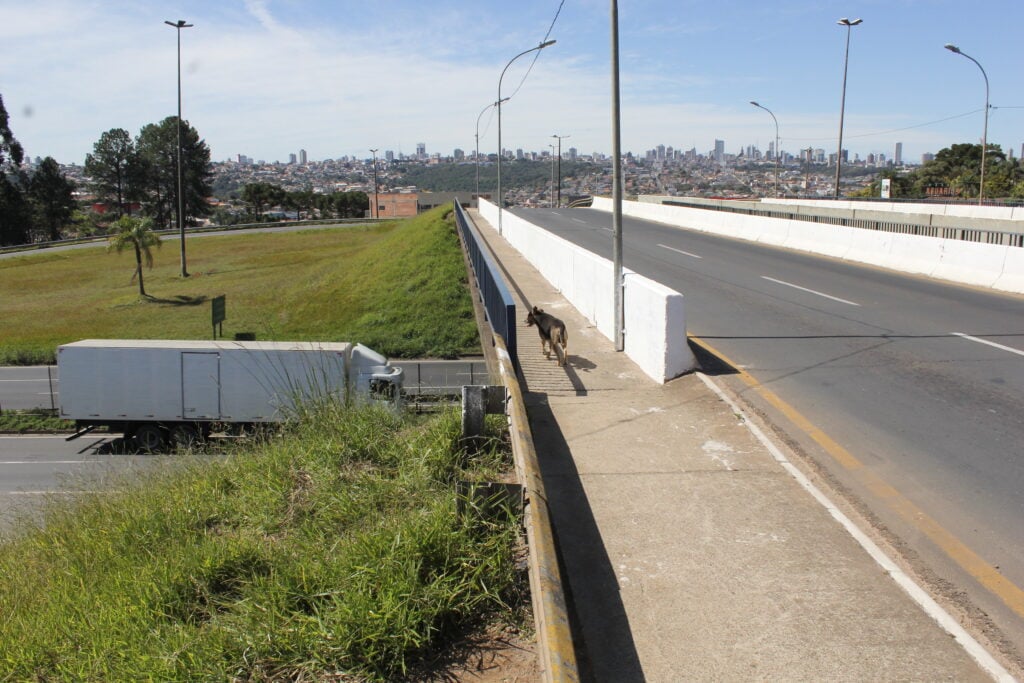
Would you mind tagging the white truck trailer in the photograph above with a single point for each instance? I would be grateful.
(156, 391)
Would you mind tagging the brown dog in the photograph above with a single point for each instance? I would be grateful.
(553, 335)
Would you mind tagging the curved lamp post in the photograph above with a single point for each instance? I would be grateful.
(776, 145)
(984, 135)
(558, 190)
(178, 25)
(842, 105)
(376, 203)
(477, 157)
(498, 104)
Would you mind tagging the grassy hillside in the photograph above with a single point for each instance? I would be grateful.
(399, 288)
(334, 553)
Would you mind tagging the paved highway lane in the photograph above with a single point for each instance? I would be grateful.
(919, 384)
(28, 386)
(34, 467)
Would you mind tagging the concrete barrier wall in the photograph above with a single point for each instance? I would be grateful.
(655, 320)
(1006, 213)
(987, 265)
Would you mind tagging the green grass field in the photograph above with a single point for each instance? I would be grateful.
(399, 288)
(336, 552)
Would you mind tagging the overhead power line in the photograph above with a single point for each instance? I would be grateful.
(537, 55)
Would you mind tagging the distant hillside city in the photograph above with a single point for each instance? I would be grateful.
(531, 178)
(137, 176)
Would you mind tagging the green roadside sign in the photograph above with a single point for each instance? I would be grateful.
(219, 314)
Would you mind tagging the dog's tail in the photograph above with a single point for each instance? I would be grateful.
(560, 342)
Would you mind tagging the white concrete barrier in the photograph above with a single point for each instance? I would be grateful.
(973, 263)
(655, 320)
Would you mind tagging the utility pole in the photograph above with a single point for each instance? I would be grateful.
(558, 188)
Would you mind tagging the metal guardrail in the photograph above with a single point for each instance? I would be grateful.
(497, 300)
(33, 246)
(964, 233)
(550, 612)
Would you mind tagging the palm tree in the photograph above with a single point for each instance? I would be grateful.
(137, 233)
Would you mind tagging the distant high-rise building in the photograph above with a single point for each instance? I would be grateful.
(898, 156)
(719, 151)
(291, 159)
(926, 157)
(459, 154)
(519, 153)
(302, 157)
(389, 155)
(573, 154)
(421, 149)
(661, 152)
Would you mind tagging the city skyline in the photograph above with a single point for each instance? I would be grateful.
(266, 78)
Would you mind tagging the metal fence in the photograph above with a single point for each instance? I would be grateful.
(497, 300)
(174, 232)
(966, 233)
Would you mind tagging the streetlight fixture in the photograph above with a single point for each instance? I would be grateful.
(498, 104)
(558, 190)
(178, 25)
(492, 104)
(376, 203)
(842, 105)
(984, 135)
(776, 144)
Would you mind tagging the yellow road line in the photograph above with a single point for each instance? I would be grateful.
(988, 576)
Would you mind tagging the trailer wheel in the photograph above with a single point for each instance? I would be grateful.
(185, 436)
(149, 437)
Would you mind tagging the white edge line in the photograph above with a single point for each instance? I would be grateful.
(916, 593)
(989, 343)
(809, 291)
(678, 251)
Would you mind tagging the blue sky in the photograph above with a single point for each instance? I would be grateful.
(266, 78)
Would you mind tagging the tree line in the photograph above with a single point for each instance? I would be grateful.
(260, 198)
(956, 172)
(127, 175)
(142, 172)
(33, 206)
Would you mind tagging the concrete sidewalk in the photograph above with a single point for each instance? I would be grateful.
(690, 553)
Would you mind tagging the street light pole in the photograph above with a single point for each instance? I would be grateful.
(776, 145)
(493, 104)
(617, 187)
(178, 25)
(842, 105)
(376, 203)
(551, 185)
(558, 190)
(984, 135)
(499, 101)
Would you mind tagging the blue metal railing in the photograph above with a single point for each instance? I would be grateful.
(497, 300)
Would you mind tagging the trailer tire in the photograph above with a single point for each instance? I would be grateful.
(149, 437)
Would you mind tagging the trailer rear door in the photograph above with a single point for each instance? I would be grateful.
(200, 386)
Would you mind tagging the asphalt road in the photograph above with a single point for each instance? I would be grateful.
(922, 382)
(35, 467)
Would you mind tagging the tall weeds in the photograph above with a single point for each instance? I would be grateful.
(336, 549)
